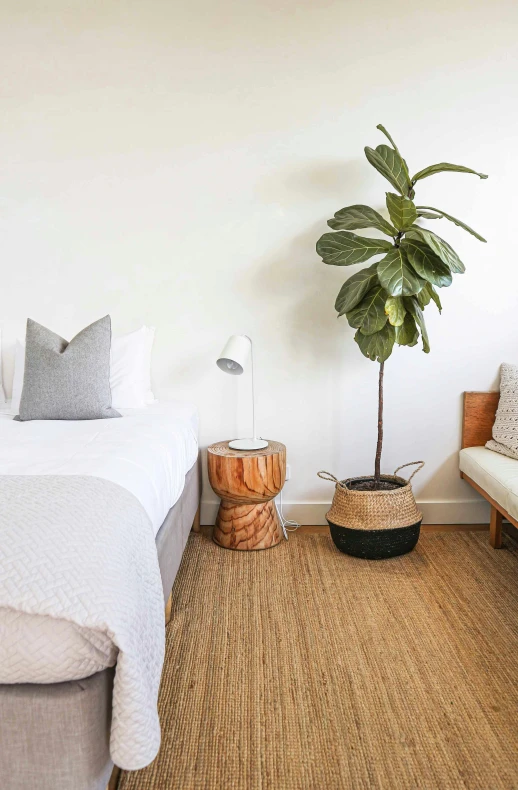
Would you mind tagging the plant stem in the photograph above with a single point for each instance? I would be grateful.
(377, 464)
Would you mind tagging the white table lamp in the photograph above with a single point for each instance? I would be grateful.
(232, 360)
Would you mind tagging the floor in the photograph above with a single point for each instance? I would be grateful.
(300, 668)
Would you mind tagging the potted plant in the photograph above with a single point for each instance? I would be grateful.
(376, 516)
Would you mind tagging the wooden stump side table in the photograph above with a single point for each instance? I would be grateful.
(247, 481)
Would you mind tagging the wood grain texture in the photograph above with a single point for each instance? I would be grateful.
(114, 778)
(247, 476)
(494, 504)
(222, 448)
(196, 522)
(247, 481)
(478, 417)
(495, 528)
(477, 429)
(247, 527)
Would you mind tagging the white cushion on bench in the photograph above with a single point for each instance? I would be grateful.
(496, 474)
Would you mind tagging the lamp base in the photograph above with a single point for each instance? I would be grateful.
(248, 444)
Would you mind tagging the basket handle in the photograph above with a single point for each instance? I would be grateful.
(332, 478)
(420, 465)
(327, 476)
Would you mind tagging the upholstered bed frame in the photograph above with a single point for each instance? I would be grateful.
(56, 736)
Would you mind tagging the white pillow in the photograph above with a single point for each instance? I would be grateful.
(127, 360)
(19, 369)
(130, 370)
(150, 339)
(2, 393)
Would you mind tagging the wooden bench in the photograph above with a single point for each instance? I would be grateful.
(477, 425)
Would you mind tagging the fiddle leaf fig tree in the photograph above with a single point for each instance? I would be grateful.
(385, 301)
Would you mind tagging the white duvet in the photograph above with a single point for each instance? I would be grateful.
(148, 451)
(80, 585)
(81, 550)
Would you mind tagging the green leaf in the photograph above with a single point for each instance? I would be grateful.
(369, 316)
(344, 249)
(424, 297)
(354, 217)
(354, 289)
(377, 347)
(390, 164)
(428, 294)
(395, 310)
(444, 167)
(407, 334)
(440, 247)
(396, 149)
(435, 296)
(455, 221)
(402, 211)
(397, 276)
(426, 263)
(413, 308)
(428, 215)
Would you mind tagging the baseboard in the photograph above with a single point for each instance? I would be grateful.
(469, 511)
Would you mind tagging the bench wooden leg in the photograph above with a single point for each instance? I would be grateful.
(495, 528)
(196, 522)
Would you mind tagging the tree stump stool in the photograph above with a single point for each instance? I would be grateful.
(247, 481)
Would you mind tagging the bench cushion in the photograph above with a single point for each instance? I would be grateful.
(496, 474)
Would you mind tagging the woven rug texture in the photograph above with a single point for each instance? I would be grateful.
(301, 668)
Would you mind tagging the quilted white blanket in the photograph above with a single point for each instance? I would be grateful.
(81, 549)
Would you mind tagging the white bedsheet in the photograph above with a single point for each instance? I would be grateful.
(147, 451)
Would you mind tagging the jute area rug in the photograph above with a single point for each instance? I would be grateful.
(300, 668)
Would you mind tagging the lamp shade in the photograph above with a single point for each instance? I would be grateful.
(234, 356)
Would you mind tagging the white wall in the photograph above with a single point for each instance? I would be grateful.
(175, 163)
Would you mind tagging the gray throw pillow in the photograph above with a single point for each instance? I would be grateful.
(505, 429)
(67, 381)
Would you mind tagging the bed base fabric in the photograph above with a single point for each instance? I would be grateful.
(172, 535)
(56, 736)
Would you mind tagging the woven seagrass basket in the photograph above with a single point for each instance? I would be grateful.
(374, 525)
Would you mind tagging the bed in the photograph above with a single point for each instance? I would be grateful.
(56, 704)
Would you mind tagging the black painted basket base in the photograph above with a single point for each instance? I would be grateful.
(375, 544)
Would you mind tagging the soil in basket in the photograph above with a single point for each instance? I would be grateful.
(369, 485)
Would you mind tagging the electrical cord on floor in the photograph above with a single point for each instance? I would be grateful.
(287, 524)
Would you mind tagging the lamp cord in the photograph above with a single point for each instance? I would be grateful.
(288, 525)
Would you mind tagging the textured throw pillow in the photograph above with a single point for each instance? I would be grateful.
(67, 381)
(130, 370)
(505, 429)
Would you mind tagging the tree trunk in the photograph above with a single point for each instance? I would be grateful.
(377, 464)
